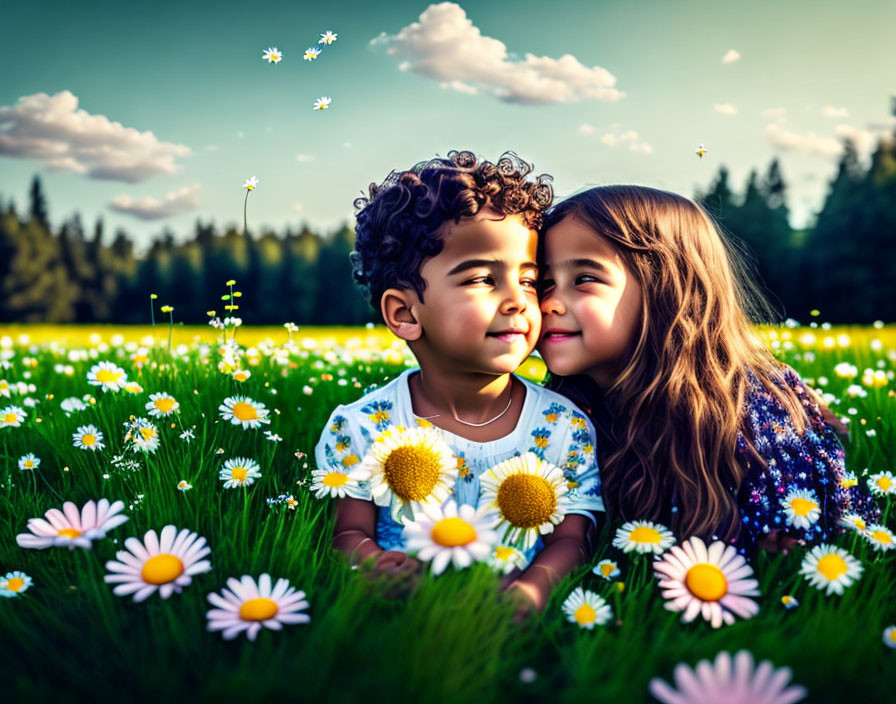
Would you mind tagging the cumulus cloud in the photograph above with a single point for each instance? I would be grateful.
(810, 142)
(865, 139)
(303, 158)
(831, 111)
(585, 129)
(731, 56)
(775, 113)
(628, 138)
(297, 207)
(51, 129)
(149, 208)
(725, 109)
(445, 45)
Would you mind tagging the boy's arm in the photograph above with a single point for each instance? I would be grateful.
(355, 529)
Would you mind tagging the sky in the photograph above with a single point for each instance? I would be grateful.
(152, 115)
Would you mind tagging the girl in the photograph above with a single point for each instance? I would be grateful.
(647, 325)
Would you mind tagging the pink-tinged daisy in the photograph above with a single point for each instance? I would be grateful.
(311, 53)
(327, 37)
(607, 569)
(643, 537)
(272, 55)
(830, 569)
(247, 606)
(12, 417)
(451, 533)
(166, 563)
(801, 508)
(72, 528)
(586, 608)
(322, 103)
(712, 582)
(161, 404)
(729, 680)
(107, 375)
(243, 411)
(880, 537)
(12, 584)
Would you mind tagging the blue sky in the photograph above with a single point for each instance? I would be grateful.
(610, 93)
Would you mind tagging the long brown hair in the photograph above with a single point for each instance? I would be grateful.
(678, 397)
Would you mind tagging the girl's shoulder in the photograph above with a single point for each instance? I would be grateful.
(554, 408)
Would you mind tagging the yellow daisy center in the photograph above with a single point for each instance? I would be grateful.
(29, 464)
(335, 479)
(802, 507)
(259, 609)
(15, 584)
(645, 534)
(884, 483)
(893, 635)
(608, 569)
(526, 500)
(88, 439)
(706, 582)
(882, 537)
(831, 567)
(240, 376)
(244, 411)
(147, 433)
(860, 524)
(162, 569)
(453, 531)
(239, 473)
(106, 376)
(10, 418)
(412, 472)
(847, 483)
(585, 614)
(164, 404)
(69, 532)
(503, 553)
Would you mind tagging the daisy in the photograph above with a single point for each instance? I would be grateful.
(29, 461)
(272, 437)
(14, 583)
(643, 536)
(452, 533)
(107, 375)
(12, 417)
(239, 471)
(241, 374)
(184, 485)
(712, 582)
(504, 558)
(789, 602)
(250, 183)
(161, 405)
(241, 410)
(187, 435)
(327, 38)
(4, 388)
(245, 606)
(165, 563)
(272, 55)
(311, 53)
(729, 679)
(88, 437)
(406, 469)
(586, 608)
(132, 387)
(331, 482)
(882, 484)
(70, 405)
(854, 521)
(530, 496)
(890, 637)
(144, 435)
(880, 537)
(322, 103)
(801, 508)
(700, 151)
(606, 569)
(72, 528)
(830, 568)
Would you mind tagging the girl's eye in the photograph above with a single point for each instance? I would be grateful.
(586, 279)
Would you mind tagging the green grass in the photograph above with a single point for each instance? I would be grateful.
(68, 638)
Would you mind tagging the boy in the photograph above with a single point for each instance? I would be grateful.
(447, 252)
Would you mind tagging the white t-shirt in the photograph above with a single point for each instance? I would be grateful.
(550, 426)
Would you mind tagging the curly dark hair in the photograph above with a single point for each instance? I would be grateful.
(397, 225)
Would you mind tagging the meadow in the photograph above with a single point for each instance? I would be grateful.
(68, 637)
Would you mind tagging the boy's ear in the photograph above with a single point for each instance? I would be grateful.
(396, 306)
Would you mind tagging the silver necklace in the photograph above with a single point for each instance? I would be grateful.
(475, 425)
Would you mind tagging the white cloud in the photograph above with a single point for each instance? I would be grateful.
(775, 114)
(810, 142)
(303, 158)
(297, 207)
(831, 111)
(347, 145)
(628, 138)
(725, 109)
(445, 45)
(865, 140)
(149, 208)
(51, 129)
(585, 129)
(731, 57)
(212, 147)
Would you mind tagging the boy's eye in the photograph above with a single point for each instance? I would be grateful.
(480, 280)
(586, 279)
(531, 283)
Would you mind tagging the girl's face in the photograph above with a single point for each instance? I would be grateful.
(591, 303)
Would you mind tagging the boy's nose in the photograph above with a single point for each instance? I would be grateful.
(552, 305)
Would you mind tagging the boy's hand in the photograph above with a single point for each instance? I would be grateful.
(398, 573)
(525, 597)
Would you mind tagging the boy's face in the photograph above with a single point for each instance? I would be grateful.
(481, 304)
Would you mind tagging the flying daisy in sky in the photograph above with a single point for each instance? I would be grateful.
(880, 537)
(322, 103)
(700, 151)
(333, 483)
(272, 55)
(243, 411)
(72, 528)
(830, 569)
(643, 536)
(606, 569)
(88, 437)
(161, 404)
(729, 680)
(712, 582)
(327, 38)
(586, 608)
(165, 563)
(239, 471)
(530, 496)
(29, 461)
(11, 417)
(311, 53)
(460, 535)
(107, 375)
(12, 584)
(882, 484)
(407, 469)
(246, 606)
(801, 508)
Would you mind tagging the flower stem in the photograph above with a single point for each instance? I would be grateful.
(245, 202)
